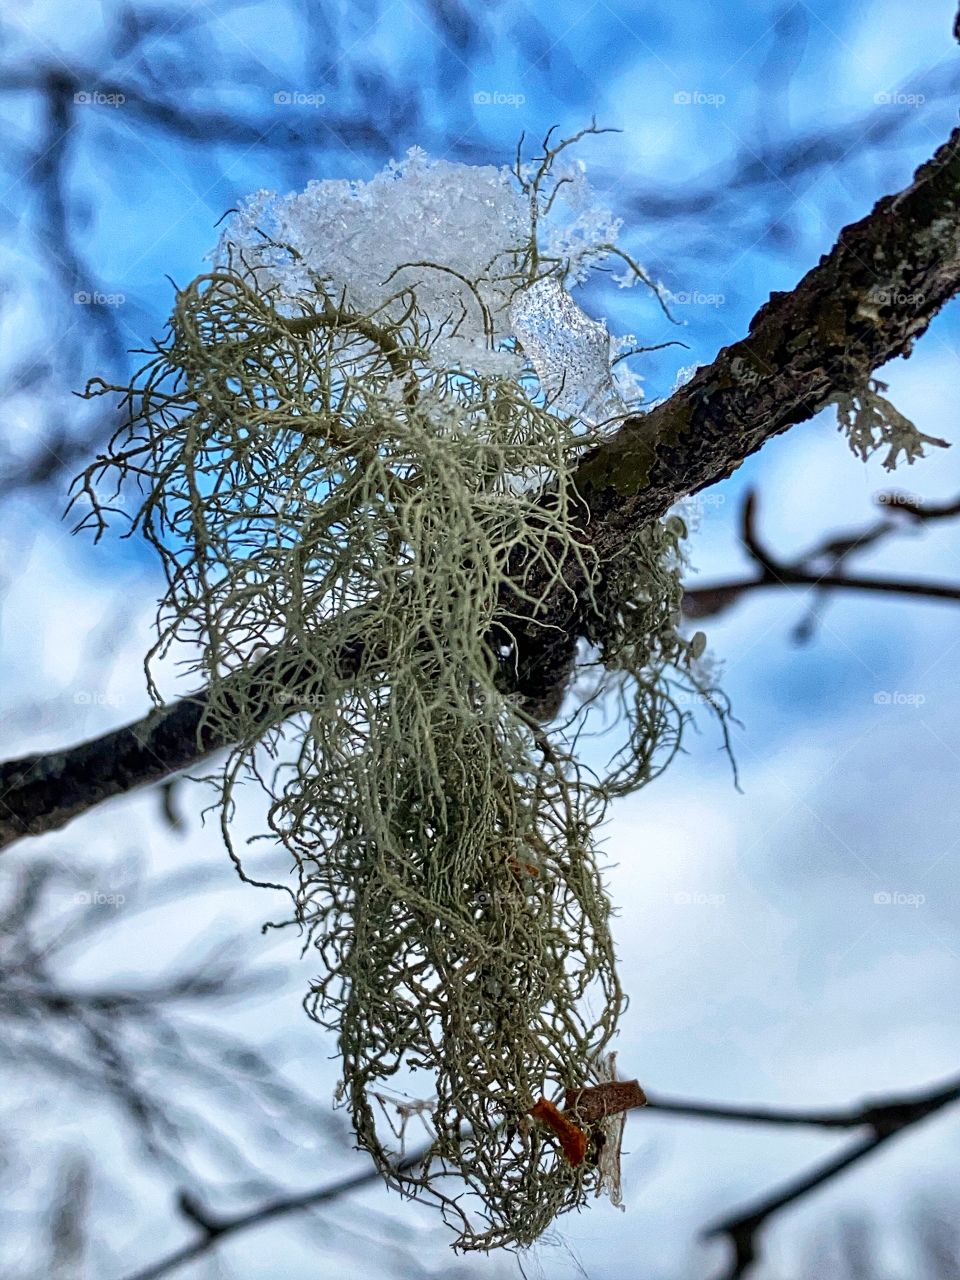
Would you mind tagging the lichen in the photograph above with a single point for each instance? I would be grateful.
(871, 423)
(345, 476)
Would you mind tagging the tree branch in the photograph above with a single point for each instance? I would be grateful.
(879, 1114)
(43, 792)
(214, 1228)
(830, 555)
(866, 302)
(885, 1118)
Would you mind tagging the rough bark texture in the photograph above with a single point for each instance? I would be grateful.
(864, 303)
(43, 792)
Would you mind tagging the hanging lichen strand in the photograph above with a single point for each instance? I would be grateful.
(339, 453)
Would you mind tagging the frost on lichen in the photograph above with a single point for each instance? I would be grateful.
(871, 423)
(342, 445)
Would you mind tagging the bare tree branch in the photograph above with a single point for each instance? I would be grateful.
(116, 1040)
(43, 792)
(845, 318)
(866, 302)
(214, 1228)
(820, 566)
(884, 1119)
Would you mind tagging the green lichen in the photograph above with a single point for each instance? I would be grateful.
(316, 485)
(871, 423)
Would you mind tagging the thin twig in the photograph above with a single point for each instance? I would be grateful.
(833, 552)
(884, 1118)
(214, 1228)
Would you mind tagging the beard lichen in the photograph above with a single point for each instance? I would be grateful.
(332, 478)
(870, 423)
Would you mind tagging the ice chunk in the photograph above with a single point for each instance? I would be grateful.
(458, 236)
(569, 350)
(462, 225)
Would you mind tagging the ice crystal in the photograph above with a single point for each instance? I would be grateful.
(570, 352)
(450, 231)
(489, 253)
(591, 233)
(685, 374)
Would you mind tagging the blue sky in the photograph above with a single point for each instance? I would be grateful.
(759, 964)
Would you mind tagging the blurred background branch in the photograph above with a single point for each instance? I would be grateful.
(823, 566)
